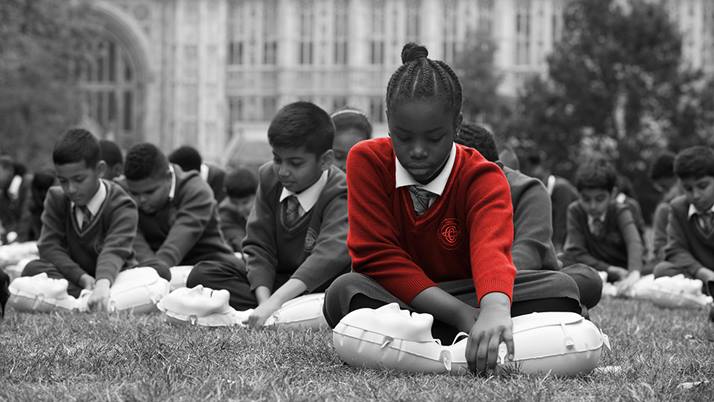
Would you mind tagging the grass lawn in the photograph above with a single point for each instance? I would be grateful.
(83, 357)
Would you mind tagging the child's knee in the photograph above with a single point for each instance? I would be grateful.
(665, 268)
(35, 267)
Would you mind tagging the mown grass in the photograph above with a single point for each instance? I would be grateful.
(90, 357)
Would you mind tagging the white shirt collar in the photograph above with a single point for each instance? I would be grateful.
(591, 219)
(693, 210)
(308, 197)
(14, 188)
(204, 171)
(436, 186)
(172, 190)
(550, 184)
(96, 201)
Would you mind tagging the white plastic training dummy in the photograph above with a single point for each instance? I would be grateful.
(671, 291)
(14, 257)
(564, 344)
(210, 308)
(136, 290)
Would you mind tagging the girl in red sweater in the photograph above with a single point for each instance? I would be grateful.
(430, 223)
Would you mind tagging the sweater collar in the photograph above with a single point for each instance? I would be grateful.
(403, 178)
(308, 197)
(97, 199)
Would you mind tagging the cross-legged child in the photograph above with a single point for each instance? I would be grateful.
(240, 185)
(602, 233)
(111, 155)
(188, 158)
(296, 234)
(690, 232)
(351, 127)
(532, 245)
(88, 224)
(431, 223)
(178, 216)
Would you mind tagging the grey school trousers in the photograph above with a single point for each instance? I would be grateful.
(533, 291)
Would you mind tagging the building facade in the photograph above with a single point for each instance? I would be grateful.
(211, 73)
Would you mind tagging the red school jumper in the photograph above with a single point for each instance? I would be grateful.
(466, 233)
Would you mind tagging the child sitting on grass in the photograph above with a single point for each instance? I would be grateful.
(602, 233)
(240, 187)
(88, 224)
(296, 235)
(431, 223)
(690, 232)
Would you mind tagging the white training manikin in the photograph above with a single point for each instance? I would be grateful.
(136, 290)
(207, 307)
(564, 344)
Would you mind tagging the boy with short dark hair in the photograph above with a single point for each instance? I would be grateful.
(602, 233)
(88, 224)
(240, 186)
(178, 217)
(188, 158)
(296, 233)
(111, 155)
(690, 232)
(31, 222)
(532, 245)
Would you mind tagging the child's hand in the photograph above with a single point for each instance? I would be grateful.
(492, 326)
(617, 273)
(258, 317)
(99, 299)
(86, 282)
(623, 287)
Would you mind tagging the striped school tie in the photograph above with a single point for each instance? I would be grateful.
(421, 199)
(706, 222)
(86, 217)
(291, 209)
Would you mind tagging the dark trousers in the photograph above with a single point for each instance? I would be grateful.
(533, 291)
(588, 281)
(666, 268)
(74, 289)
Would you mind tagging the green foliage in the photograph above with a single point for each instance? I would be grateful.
(616, 86)
(40, 43)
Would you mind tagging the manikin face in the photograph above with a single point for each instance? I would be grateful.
(422, 134)
(409, 325)
(79, 181)
(209, 300)
(152, 193)
(699, 192)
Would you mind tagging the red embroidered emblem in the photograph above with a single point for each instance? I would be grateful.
(450, 233)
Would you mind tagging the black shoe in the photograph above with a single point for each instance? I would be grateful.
(4, 291)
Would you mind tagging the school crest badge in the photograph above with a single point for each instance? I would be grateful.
(450, 233)
(310, 239)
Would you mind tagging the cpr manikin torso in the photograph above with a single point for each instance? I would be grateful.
(208, 307)
(136, 290)
(561, 343)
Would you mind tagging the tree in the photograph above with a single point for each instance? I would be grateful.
(616, 86)
(41, 44)
(480, 80)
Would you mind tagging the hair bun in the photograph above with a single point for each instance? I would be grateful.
(412, 51)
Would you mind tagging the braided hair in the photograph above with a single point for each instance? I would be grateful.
(420, 77)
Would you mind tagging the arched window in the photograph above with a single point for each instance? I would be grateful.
(112, 91)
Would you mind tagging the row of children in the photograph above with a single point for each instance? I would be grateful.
(434, 226)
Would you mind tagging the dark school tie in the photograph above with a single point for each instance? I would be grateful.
(86, 217)
(291, 210)
(421, 199)
(706, 222)
(597, 227)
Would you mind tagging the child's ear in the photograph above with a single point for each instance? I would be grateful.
(101, 168)
(327, 159)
